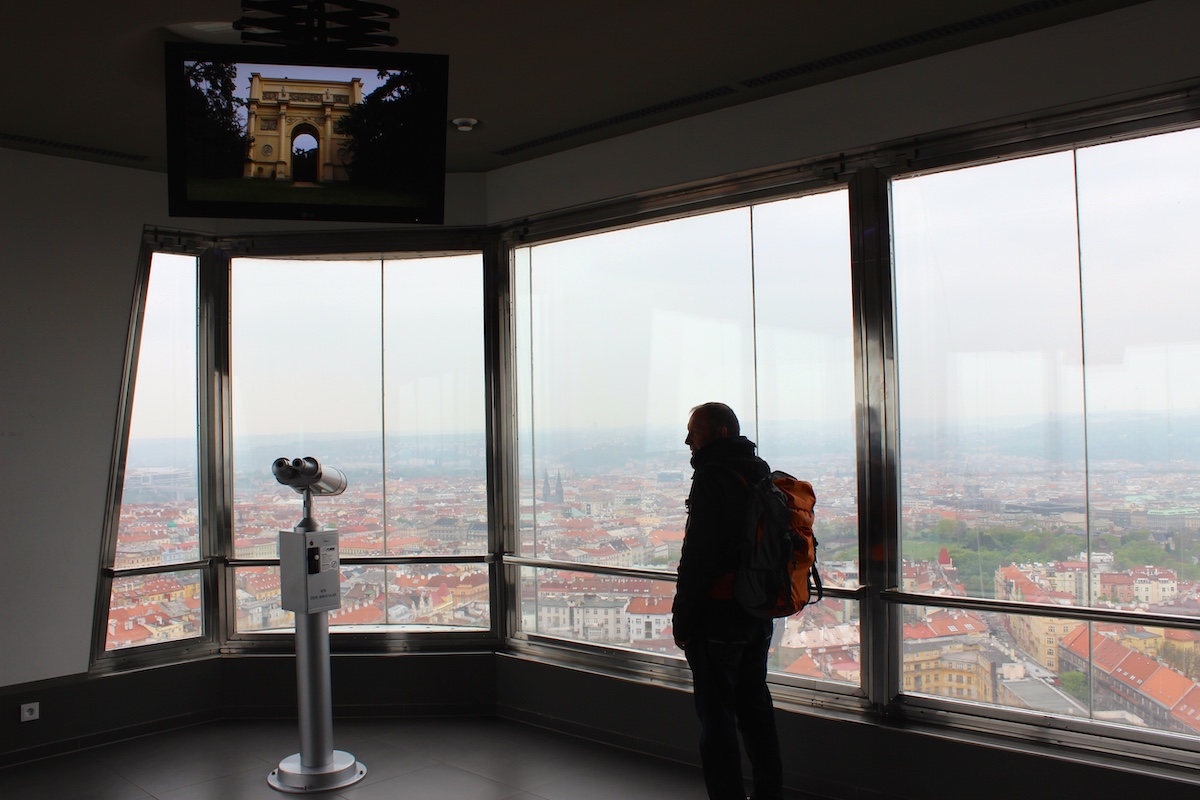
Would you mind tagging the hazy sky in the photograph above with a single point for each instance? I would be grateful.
(637, 326)
(634, 327)
(311, 355)
(1003, 284)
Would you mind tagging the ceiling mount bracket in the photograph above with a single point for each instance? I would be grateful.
(317, 24)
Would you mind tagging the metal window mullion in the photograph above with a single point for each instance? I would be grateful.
(116, 471)
(875, 379)
(1024, 608)
(215, 446)
(500, 408)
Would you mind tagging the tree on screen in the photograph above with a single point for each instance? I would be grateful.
(387, 139)
(216, 138)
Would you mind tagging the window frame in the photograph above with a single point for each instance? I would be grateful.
(217, 562)
(866, 172)
(817, 177)
(1065, 132)
(102, 660)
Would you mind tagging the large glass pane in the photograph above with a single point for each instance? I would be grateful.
(805, 363)
(1139, 202)
(1133, 675)
(822, 643)
(376, 369)
(150, 609)
(995, 659)
(1009, 489)
(159, 515)
(414, 596)
(625, 332)
(306, 361)
(436, 460)
(410, 331)
(431, 596)
(619, 335)
(1014, 487)
(600, 609)
(159, 520)
(988, 339)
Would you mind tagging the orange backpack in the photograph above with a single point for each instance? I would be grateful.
(777, 575)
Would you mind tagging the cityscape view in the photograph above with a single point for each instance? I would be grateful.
(992, 524)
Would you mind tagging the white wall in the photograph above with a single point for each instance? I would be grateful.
(70, 232)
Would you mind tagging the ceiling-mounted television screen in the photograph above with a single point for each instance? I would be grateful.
(266, 132)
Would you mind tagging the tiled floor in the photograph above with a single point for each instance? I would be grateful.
(425, 759)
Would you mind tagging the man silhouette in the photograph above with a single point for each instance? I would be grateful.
(725, 647)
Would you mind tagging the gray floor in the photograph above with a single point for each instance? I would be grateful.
(457, 759)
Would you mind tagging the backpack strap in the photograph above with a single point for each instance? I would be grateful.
(721, 587)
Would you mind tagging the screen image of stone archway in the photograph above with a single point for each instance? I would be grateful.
(281, 111)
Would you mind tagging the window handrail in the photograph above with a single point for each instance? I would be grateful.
(1081, 613)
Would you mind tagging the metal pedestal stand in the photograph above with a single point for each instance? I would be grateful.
(317, 767)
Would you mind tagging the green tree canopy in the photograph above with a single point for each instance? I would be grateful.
(215, 137)
(389, 137)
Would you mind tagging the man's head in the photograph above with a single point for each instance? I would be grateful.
(710, 421)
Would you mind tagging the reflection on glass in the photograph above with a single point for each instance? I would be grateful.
(149, 609)
(522, 322)
(159, 515)
(989, 354)
(804, 369)
(1014, 298)
(1138, 205)
(619, 334)
(306, 372)
(622, 333)
(421, 596)
(436, 459)
(317, 347)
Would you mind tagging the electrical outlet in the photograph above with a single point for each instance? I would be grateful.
(30, 711)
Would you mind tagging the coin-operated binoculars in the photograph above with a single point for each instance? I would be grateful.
(311, 587)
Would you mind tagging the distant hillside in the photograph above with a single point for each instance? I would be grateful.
(1150, 439)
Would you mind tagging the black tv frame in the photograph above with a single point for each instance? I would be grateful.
(422, 198)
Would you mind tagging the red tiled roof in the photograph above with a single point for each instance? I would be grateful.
(364, 615)
(649, 605)
(1135, 669)
(1107, 654)
(1187, 711)
(804, 666)
(1076, 641)
(1167, 687)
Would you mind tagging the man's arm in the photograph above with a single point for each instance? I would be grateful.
(701, 561)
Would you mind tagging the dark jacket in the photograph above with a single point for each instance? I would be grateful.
(716, 515)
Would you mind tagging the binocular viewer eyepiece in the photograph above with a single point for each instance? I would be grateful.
(307, 474)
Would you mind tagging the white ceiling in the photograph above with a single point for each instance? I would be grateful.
(84, 79)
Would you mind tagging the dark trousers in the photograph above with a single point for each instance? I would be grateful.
(730, 679)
